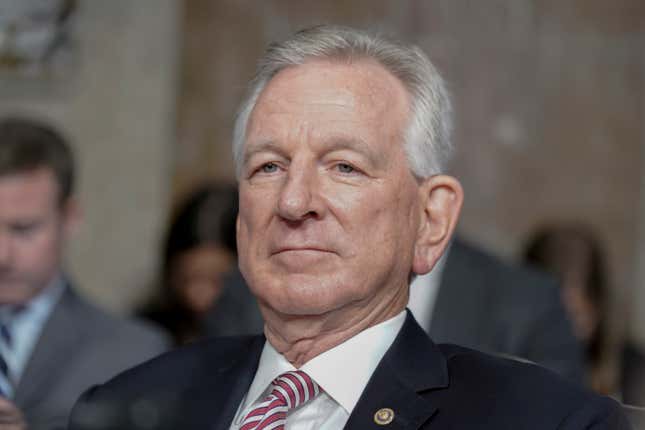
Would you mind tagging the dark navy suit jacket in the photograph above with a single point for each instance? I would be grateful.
(427, 386)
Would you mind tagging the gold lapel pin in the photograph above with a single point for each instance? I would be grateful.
(384, 416)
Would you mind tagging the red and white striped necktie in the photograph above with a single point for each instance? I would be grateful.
(288, 391)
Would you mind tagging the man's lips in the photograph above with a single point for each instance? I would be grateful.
(303, 249)
(8, 277)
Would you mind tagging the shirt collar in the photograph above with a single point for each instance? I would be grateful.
(424, 290)
(342, 379)
(44, 301)
(28, 324)
(41, 303)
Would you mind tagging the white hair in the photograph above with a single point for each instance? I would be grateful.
(427, 136)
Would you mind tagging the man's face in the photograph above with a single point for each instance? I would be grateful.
(32, 231)
(329, 210)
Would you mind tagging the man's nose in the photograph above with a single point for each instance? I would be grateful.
(5, 249)
(300, 196)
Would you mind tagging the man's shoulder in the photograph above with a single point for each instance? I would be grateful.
(183, 367)
(95, 321)
(474, 365)
(510, 284)
(173, 386)
(473, 258)
(517, 388)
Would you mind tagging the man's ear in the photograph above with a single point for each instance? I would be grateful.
(72, 216)
(441, 200)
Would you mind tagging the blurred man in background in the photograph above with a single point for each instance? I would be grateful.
(504, 309)
(53, 344)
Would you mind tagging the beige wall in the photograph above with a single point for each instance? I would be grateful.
(549, 100)
(638, 281)
(548, 95)
(118, 109)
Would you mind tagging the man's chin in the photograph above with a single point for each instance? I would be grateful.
(302, 302)
(15, 293)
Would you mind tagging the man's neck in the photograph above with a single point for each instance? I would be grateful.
(301, 338)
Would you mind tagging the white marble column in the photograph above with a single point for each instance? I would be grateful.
(118, 108)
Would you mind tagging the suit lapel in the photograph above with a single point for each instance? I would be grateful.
(412, 366)
(231, 383)
(214, 384)
(57, 340)
(461, 300)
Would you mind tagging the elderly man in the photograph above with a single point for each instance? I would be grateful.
(339, 151)
(54, 344)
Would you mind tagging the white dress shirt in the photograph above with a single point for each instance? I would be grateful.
(342, 372)
(423, 294)
(25, 328)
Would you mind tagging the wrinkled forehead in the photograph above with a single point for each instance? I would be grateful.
(363, 81)
(358, 97)
(29, 193)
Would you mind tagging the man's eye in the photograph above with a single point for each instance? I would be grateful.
(24, 229)
(269, 168)
(345, 168)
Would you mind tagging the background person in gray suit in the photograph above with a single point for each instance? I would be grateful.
(53, 344)
(500, 308)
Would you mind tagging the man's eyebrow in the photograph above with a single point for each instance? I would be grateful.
(262, 146)
(338, 143)
(335, 143)
(26, 223)
(330, 144)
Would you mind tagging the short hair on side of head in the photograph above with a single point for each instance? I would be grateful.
(427, 137)
(27, 144)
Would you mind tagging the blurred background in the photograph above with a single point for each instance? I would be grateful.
(549, 98)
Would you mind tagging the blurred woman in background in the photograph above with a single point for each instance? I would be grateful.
(573, 254)
(199, 250)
